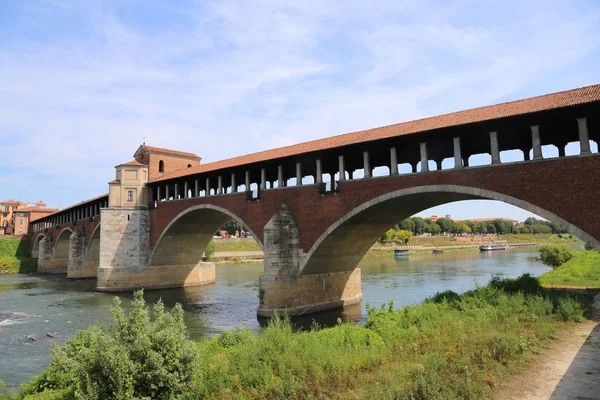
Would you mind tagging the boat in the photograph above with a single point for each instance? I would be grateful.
(437, 251)
(400, 253)
(492, 247)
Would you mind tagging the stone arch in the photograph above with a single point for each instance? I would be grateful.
(344, 243)
(185, 238)
(92, 250)
(35, 251)
(61, 249)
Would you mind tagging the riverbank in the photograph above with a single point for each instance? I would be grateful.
(450, 346)
(246, 250)
(582, 271)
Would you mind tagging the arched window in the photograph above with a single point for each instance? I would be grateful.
(189, 165)
(161, 166)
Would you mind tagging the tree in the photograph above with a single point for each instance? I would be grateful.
(388, 235)
(407, 225)
(555, 256)
(490, 227)
(434, 229)
(404, 235)
(467, 229)
(210, 249)
(525, 229)
(540, 228)
(445, 224)
(419, 225)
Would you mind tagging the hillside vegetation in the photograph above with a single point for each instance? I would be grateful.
(15, 256)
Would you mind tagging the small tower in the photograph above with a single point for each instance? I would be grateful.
(125, 226)
(129, 190)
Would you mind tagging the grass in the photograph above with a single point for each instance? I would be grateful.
(582, 271)
(245, 244)
(15, 256)
(450, 346)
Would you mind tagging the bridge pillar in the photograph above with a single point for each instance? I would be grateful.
(495, 151)
(457, 153)
(77, 266)
(584, 137)
(283, 290)
(424, 158)
(44, 263)
(366, 164)
(393, 161)
(537, 143)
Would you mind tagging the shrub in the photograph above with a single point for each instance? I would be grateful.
(210, 249)
(555, 256)
(136, 357)
(569, 309)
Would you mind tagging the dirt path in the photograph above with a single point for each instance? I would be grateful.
(568, 369)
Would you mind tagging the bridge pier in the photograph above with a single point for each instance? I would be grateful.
(124, 255)
(283, 290)
(79, 266)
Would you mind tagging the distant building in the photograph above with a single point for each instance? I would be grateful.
(29, 214)
(8, 209)
(433, 218)
(16, 215)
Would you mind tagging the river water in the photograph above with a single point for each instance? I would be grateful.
(34, 305)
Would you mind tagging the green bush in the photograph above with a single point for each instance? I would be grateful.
(569, 309)
(555, 256)
(136, 357)
(210, 249)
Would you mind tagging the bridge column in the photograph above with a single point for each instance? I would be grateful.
(44, 263)
(233, 184)
(584, 138)
(298, 174)
(393, 161)
(341, 168)
(319, 177)
(196, 188)
(457, 153)
(263, 179)
(280, 183)
(366, 164)
(424, 158)
(77, 267)
(537, 143)
(220, 185)
(283, 290)
(208, 186)
(247, 181)
(495, 152)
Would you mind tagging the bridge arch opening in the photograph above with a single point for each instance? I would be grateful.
(344, 243)
(184, 241)
(92, 253)
(35, 251)
(61, 248)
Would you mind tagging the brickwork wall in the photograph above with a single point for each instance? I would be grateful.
(567, 187)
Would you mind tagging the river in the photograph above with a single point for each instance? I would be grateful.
(34, 305)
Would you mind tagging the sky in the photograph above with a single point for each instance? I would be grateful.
(82, 83)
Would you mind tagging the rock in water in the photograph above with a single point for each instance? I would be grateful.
(50, 335)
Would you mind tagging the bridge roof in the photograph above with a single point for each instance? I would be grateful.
(546, 102)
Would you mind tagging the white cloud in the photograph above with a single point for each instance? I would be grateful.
(227, 78)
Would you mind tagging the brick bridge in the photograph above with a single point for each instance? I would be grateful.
(316, 208)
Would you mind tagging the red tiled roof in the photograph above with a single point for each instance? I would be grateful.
(38, 209)
(167, 151)
(79, 204)
(534, 104)
(10, 202)
(133, 163)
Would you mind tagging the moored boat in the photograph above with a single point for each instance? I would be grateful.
(492, 247)
(401, 253)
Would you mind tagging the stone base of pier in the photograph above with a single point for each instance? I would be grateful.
(304, 294)
(123, 279)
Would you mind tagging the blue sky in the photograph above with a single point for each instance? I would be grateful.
(82, 82)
